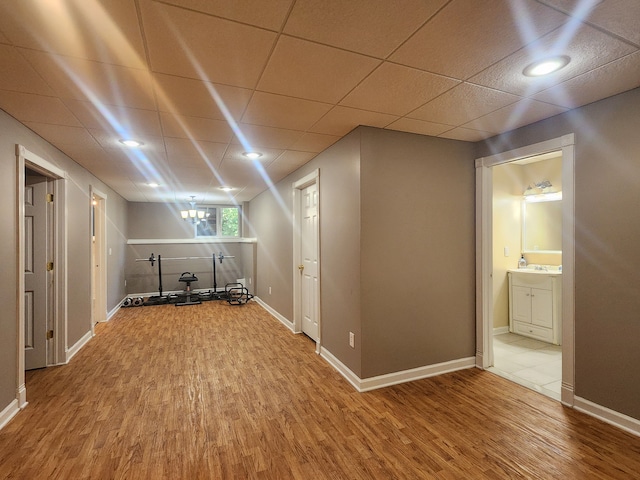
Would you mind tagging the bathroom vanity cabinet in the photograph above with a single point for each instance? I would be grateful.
(535, 304)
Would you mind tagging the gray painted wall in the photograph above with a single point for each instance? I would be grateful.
(417, 251)
(271, 222)
(607, 194)
(78, 238)
(158, 221)
(396, 270)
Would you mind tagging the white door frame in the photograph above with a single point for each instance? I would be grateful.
(99, 248)
(24, 159)
(484, 257)
(297, 187)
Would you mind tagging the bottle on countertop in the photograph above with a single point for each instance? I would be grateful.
(522, 263)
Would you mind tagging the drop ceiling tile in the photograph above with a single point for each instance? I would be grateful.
(240, 177)
(466, 134)
(278, 111)
(191, 44)
(374, 29)
(314, 142)
(619, 17)
(27, 107)
(268, 15)
(181, 149)
(418, 126)
(249, 193)
(90, 30)
(606, 81)
(302, 69)
(257, 137)
(587, 47)
(194, 175)
(341, 120)
(462, 104)
(288, 162)
(462, 39)
(18, 75)
(195, 98)
(397, 90)
(204, 129)
(516, 115)
(130, 122)
(60, 135)
(100, 83)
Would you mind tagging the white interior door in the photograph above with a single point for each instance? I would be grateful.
(98, 257)
(309, 257)
(36, 274)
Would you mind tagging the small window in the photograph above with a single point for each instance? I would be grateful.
(219, 222)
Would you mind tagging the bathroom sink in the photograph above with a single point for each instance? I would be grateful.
(548, 271)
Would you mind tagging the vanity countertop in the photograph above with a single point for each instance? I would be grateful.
(537, 271)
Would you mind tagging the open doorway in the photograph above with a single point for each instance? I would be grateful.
(34, 171)
(98, 257)
(486, 276)
(527, 272)
(306, 257)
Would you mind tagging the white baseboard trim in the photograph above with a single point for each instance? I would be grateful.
(115, 309)
(274, 313)
(8, 413)
(78, 345)
(381, 381)
(501, 330)
(626, 423)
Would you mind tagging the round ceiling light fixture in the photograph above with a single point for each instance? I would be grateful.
(546, 66)
(226, 189)
(153, 184)
(252, 155)
(130, 142)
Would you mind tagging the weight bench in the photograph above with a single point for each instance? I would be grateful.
(188, 277)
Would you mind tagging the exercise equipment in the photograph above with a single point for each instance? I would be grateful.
(188, 277)
(237, 294)
(133, 302)
(233, 293)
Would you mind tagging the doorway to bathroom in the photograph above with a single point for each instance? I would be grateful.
(527, 269)
(525, 316)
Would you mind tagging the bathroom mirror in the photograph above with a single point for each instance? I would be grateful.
(542, 225)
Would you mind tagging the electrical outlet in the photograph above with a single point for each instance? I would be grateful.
(352, 340)
(269, 290)
(125, 283)
(506, 251)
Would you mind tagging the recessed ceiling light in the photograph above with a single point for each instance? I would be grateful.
(252, 155)
(129, 142)
(226, 189)
(153, 184)
(546, 66)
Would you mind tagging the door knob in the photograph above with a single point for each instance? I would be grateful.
(300, 267)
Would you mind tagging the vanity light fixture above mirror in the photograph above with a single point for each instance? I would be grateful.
(543, 197)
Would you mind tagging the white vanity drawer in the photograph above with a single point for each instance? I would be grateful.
(533, 280)
(545, 334)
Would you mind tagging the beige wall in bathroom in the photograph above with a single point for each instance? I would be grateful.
(508, 183)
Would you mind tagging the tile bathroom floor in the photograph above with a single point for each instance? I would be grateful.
(528, 362)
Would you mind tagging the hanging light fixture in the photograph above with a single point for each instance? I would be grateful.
(193, 214)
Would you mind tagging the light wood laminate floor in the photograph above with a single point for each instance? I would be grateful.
(215, 391)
